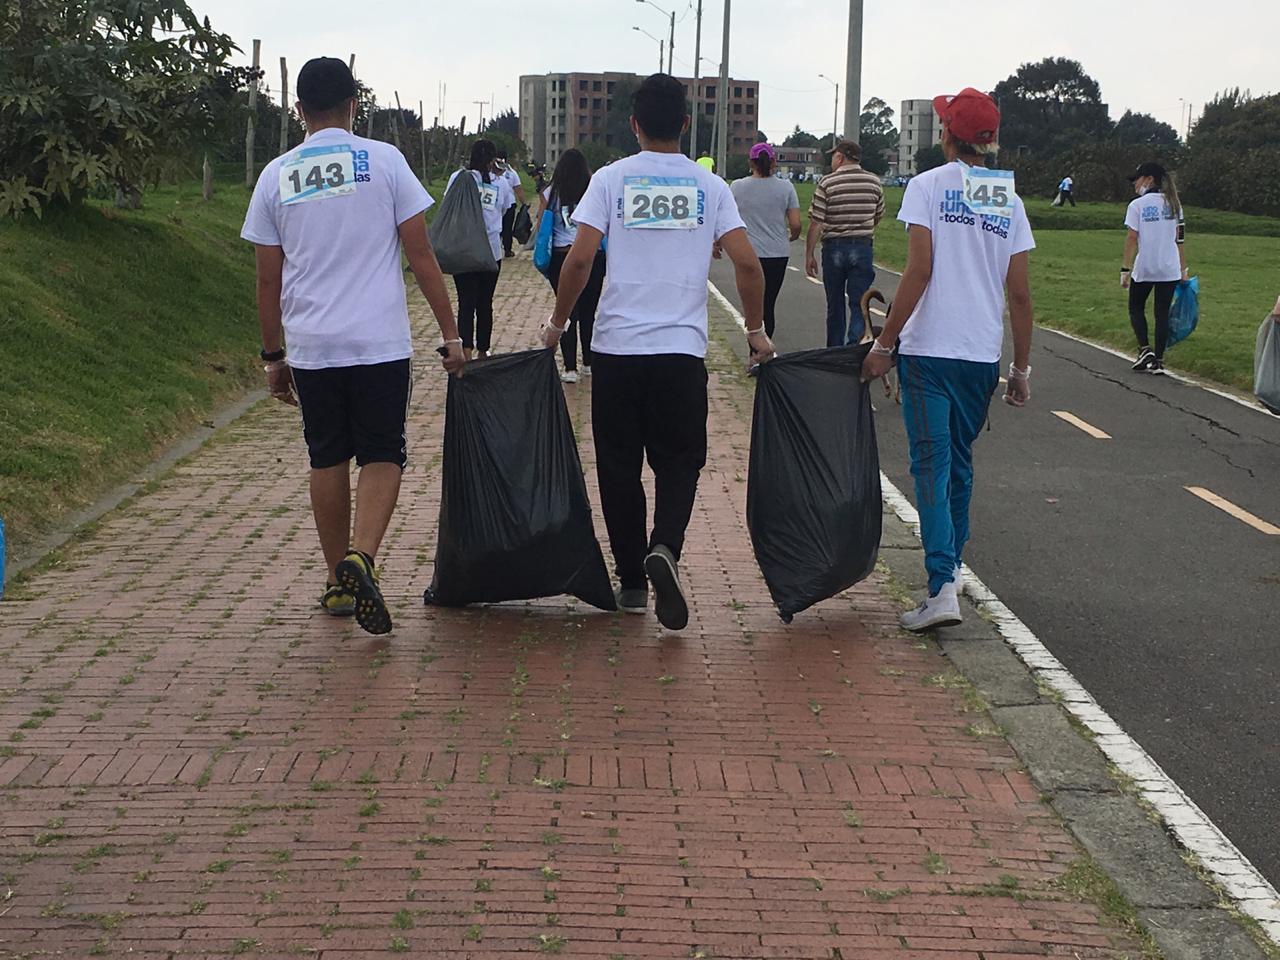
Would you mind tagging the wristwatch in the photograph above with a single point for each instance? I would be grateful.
(271, 356)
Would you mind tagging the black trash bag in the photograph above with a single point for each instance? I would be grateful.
(458, 233)
(515, 523)
(813, 486)
(522, 226)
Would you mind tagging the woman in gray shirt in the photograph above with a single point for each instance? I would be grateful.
(771, 211)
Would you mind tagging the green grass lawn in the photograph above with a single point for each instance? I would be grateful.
(119, 331)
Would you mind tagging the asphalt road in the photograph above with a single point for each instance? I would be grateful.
(1165, 607)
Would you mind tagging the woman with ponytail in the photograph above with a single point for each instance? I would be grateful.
(771, 210)
(1154, 258)
(476, 290)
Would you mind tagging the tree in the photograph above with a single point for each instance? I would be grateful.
(801, 138)
(1138, 128)
(1051, 106)
(506, 122)
(617, 126)
(104, 97)
(929, 157)
(879, 137)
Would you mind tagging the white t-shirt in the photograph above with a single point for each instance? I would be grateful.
(343, 299)
(564, 231)
(495, 197)
(656, 298)
(961, 315)
(1158, 230)
(509, 174)
(1065, 184)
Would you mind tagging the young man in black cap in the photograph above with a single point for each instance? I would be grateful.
(661, 213)
(329, 219)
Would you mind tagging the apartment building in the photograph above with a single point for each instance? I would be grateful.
(920, 128)
(563, 110)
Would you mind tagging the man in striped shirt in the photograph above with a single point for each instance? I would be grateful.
(847, 205)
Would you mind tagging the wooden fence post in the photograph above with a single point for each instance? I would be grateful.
(395, 121)
(422, 136)
(284, 106)
(251, 130)
(373, 108)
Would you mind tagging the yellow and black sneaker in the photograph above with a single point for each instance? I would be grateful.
(357, 575)
(338, 602)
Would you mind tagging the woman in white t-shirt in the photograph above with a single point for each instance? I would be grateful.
(475, 290)
(1155, 238)
(568, 184)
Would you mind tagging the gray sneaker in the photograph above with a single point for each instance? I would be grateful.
(668, 598)
(941, 610)
(633, 600)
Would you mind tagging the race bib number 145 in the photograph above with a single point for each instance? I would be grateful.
(988, 192)
(317, 174)
(661, 203)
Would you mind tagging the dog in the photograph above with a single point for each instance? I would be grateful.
(872, 330)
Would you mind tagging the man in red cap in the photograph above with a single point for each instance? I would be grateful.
(968, 241)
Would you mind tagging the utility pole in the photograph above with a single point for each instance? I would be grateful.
(722, 99)
(422, 137)
(697, 87)
(480, 122)
(284, 106)
(835, 110)
(671, 47)
(853, 75)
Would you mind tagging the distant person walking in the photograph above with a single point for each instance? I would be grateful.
(661, 213)
(568, 184)
(847, 204)
(771, 211)
(1066, 192)
(707, 162)
(948, 321)
(476, 290)
(329, 220)
(512, 176)
(1155, 258)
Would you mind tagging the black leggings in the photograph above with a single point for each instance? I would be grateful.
(583, 316)
(775, 271)
(475, 307)
(1139, 291)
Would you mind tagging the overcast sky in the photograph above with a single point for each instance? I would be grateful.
(911, 50)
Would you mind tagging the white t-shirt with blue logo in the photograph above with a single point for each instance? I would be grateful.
(563, 230)
(961, 315)
(661, 214)
(343, 299)
(1158, 228)
(495, 197)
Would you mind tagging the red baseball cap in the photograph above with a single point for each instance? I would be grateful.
(972, 115)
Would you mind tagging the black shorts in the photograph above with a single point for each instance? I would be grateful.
(355, 412)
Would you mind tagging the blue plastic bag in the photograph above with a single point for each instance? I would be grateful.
(542, 243)
(1185, 311)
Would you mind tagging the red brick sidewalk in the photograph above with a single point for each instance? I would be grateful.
(198, 763)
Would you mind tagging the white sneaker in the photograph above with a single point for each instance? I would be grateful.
(569, 376)
(586, 370)
(942, 610)
(957, 580)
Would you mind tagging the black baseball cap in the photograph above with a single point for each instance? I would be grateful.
(1150, 169)
(325, 82)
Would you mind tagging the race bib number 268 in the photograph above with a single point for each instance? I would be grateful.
(661, 203)
(317, 174)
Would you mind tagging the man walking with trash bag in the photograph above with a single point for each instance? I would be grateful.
(968, 240)
(661, 214)
(328, 220)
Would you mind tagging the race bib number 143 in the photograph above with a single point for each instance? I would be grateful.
(988, 192)
(661, 203)
(317, 174)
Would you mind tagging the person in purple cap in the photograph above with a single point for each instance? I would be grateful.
(968, 245)
(771, 210)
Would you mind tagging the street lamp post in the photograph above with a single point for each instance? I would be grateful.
(835, 110)
(853, 74)
(697, 87)
(652, 37)
(722, 100)
(671, 44)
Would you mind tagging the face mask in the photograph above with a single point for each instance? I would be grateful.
(1143, 191)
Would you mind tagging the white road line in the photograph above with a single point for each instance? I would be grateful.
(1075, 421)
(813, 280)
(1241, 514)
(738, 318)
(1181, 378)
(878, 312)
(1230, 868)
(790, 267)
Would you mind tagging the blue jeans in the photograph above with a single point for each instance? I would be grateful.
(847, 271)
(944, 404)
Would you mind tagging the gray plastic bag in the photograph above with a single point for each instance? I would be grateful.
(1266, 364)
(458, 233)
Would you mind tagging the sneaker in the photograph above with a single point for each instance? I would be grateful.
(1157, 366)
(633, 600)
(569, 376)
(668, 597)
(1146, 357)
(942, 610)
(586, 370)
(957, 580)
(337, 602)
(357, 574)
